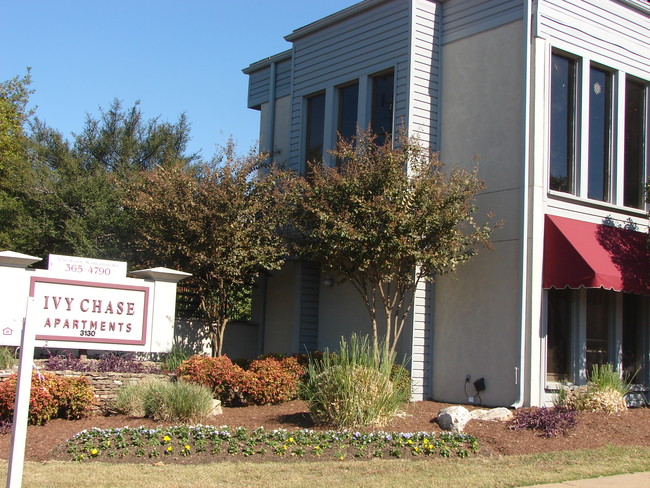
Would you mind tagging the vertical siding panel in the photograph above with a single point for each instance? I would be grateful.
(425, 66)
(421, 347)
(308, 334)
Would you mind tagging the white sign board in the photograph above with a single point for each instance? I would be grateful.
(86, 268)
(91, 313)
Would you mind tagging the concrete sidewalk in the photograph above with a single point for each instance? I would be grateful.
(634, 480)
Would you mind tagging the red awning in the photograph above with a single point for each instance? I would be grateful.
(579, 254)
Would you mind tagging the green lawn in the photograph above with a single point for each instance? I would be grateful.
(430, 472)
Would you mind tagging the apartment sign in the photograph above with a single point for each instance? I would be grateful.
(88, 312)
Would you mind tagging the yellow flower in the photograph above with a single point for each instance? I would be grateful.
(170, 448)
(284, 447)
(426, 441)
(187, 447)
(94, 452)
(291, 441)
(409, 441)
(166, 438)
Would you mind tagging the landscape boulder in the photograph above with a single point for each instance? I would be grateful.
(500, 414)
(453, 418)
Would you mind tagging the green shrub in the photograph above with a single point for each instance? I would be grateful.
(217, 373)
(165, 401)
(51, 396)
(272, 381)
(356, 387)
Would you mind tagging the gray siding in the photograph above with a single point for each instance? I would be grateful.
(463, 18)
(357, 46)
(425, 63)
(308, 335)
(617, 33)
(259, 87)
(421, 342)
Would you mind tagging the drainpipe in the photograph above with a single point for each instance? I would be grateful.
(520, 372)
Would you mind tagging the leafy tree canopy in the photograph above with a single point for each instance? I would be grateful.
(386, 219)
(216, 220)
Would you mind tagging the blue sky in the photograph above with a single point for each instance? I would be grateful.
(174, 56)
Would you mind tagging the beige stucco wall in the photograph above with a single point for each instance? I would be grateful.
(279, 308)
(477, 313)
(341, 311)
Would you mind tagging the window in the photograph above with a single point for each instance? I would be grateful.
(600, 134)
(595, 326)
(588, 105)
(348, 105)
(599, 317)
(633, 177)
(381, 117)
(315, 131)
(563, 109)
(558, 343)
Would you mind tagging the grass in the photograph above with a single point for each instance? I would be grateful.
(508, 471)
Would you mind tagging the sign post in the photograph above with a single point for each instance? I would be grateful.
(21, 405)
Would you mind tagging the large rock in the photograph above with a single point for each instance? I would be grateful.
(216, 408)
(453, 418)
(499, 414)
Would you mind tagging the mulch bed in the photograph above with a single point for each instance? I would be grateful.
(631, 428)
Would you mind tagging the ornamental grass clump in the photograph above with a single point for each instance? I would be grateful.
(605, 392)
(165, 401)
(356, 387)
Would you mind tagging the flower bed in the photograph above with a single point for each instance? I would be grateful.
(201, 441)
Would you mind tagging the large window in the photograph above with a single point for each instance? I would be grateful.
(563, 114)
(591, 109)
(600, 134)
(594, 326)
(381, 118)
(635, 107)
(315, 131)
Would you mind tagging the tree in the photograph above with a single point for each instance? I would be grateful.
(218, 221)
(65, 197)
(385, 220)
(14, 96)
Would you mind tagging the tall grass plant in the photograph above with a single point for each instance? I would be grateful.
(358, 386)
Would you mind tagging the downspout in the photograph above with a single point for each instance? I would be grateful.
(270, 133)
(520, 373)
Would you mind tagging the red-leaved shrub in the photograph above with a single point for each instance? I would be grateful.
(268, 380)
(272, 381)
(218, 373)
(51, 396)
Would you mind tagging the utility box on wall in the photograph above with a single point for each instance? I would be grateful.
(83, 303)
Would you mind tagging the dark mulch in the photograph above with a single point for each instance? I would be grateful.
(593, 430)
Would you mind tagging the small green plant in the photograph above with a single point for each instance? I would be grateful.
(163, 400)
(356, 387)
(7, 357)
(172, 360)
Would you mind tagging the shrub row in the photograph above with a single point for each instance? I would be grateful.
(51, 397)
(269, 379)
(109, 362)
